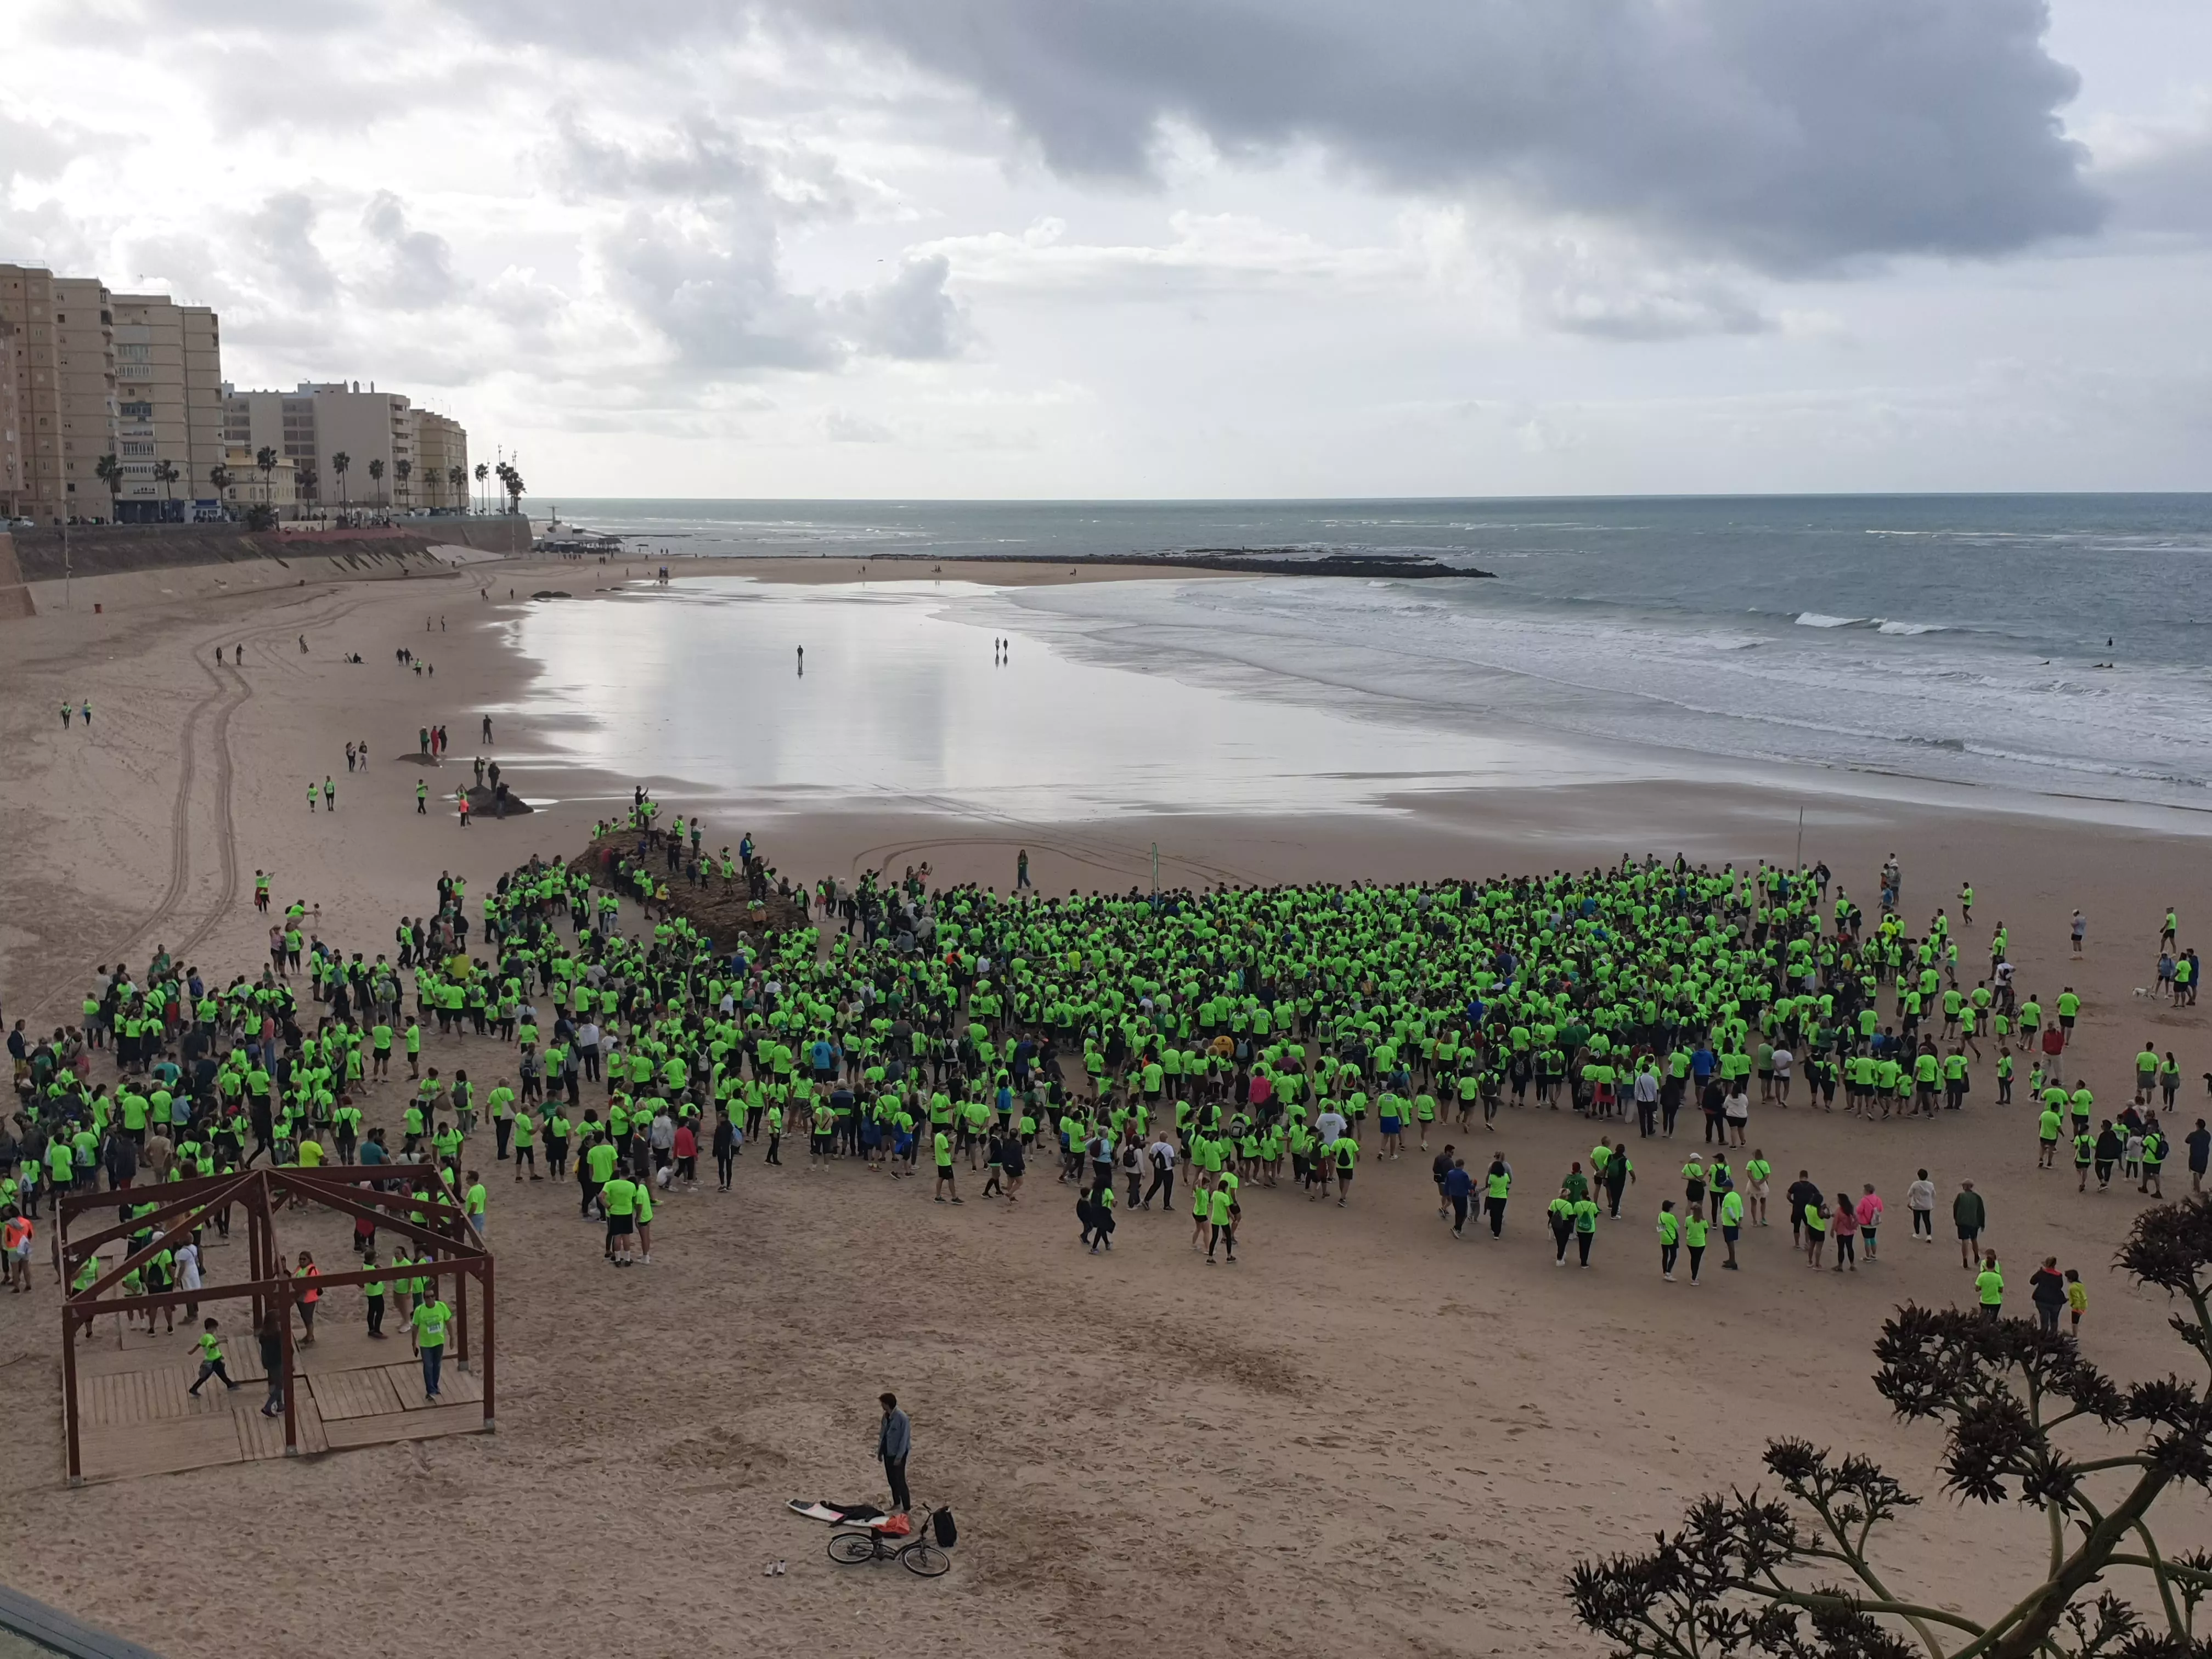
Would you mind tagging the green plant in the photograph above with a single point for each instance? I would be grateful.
(1746, 1574)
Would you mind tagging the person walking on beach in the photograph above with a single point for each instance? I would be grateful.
(1920, 1204)
(2046, 1288)
(1970, 1215)
(1988, 1288)
(893, 1444)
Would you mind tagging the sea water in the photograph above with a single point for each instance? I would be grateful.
(2058, 645)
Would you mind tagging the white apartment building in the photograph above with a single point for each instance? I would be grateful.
(352, 448)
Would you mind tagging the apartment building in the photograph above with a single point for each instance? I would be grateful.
(396, 458)
(94, 374)
(169, 439)
(247, 485)
(84, 363)
(26, 305)
(441, 462)
(12, 499)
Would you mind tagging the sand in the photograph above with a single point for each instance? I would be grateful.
(1365, 1438)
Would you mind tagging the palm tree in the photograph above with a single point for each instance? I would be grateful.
(483, 472)
(376, 475)
(339, 463)
(109, 471)
(306, 486)
(265, 459)
(514, 489)
(218, 480)
(402, 470)
(165, 474)
(458, 477)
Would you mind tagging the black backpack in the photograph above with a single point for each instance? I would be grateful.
(947, 1534)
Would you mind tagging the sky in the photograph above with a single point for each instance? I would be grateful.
(1171, 248)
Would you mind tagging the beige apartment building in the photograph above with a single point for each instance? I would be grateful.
(84, 361)
(94, 374)
(319, 422)
(441, 462)
(49, 418)
(249, 486)
(12, 499)
(168, 378)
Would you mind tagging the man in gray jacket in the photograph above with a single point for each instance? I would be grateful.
(893, 1441)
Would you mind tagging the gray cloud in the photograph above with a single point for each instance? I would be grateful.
(282, 236)
(712, 287)
(909, 315)
(39, 149)
(843, 426)
(1794, 136)
(1790, 136)
(714, 291)
(2167, 187)
(418, 272)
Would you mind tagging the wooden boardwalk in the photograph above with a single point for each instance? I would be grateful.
(139, 1416)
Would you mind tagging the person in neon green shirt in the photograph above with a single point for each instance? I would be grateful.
(1222, 1211)
(1585, 1214)
(472, 1204)
(619, 1195)
(1731, 1225)
(941, 1144)
(427, 1329)
(1988, 1288)
(1670, 1239)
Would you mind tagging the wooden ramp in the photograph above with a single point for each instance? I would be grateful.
(139, 1416)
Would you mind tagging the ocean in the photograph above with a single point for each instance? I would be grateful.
(2055, 645)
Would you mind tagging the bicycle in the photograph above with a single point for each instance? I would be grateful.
(917, 1554)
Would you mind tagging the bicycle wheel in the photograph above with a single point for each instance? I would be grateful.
(849, 1549)
(925, 1559)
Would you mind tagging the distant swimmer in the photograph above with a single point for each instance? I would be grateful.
(802, 660)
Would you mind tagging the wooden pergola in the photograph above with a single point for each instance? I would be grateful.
(183, 1206)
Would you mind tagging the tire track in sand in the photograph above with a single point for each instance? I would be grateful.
(225, 822)
(180, 828)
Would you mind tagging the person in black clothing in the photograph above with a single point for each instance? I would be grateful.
(2199, 1143)
(1802, 1193)
(2048, 1287)
(725, 1149)
(271, 1339)
(2106, 1153)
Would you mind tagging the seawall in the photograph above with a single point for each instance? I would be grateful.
(116, 565)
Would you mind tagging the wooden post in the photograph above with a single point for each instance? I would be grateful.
(491, 1349)
(283, 1308)
(69, 1394)
(461, 1311)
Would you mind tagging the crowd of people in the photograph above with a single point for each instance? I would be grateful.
(1246, 1039)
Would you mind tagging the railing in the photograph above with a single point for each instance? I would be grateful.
(32, 1630)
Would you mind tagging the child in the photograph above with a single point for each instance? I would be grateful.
(372, 1294)
(2077, 1298)
(15, 1240)
(212, 1358)
(2131, 1155)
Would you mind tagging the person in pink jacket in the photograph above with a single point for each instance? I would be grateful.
(1871, 1207)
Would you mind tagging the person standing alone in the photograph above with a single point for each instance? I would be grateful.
(894, 1440)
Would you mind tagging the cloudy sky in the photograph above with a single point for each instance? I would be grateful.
(1171, 248)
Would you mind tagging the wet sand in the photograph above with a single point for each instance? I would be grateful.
(1366, 1438)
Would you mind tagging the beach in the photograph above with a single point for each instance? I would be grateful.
(1371, 1439)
